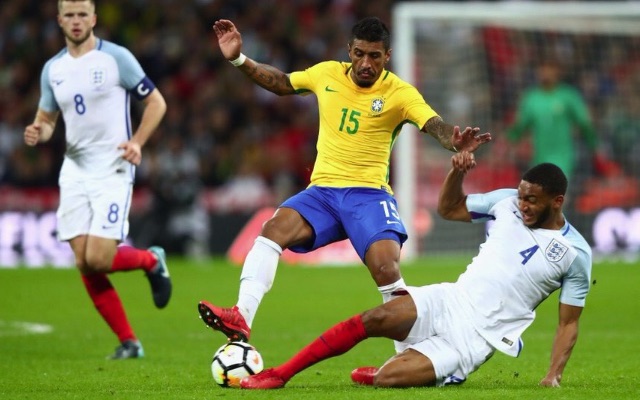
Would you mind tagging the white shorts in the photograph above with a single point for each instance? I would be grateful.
(94, 207)
(444, 334)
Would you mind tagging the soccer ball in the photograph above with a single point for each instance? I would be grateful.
(233, 361)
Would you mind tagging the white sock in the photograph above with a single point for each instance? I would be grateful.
(387, 290)
(258, 273)
(387, 295)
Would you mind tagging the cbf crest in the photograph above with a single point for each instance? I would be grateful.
(555, 251)
(98, 76)
(377, 105)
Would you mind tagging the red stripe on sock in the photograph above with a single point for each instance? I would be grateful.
(107, 302)
(128, 258)
(335, 341)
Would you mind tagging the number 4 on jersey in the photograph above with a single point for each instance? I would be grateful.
(528, 253)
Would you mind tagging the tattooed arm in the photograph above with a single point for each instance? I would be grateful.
(451, 138)
(268, 77)
(442, 132)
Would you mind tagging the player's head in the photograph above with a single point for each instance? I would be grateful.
(548, 72)
(369, 50)
(77, 19)
(541, 195)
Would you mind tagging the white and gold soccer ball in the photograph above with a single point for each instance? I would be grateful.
(234, 361)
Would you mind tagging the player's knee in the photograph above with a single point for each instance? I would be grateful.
(82, 266)
(385, 273)
(95, 263)
(286, 231)
(384, 267)
(273, 230)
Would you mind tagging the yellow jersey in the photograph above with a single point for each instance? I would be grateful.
(358, 126)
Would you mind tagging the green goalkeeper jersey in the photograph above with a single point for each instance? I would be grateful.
(551, 116)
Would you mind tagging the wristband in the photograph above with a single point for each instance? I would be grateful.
(238, 61)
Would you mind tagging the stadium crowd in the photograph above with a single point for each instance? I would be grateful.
(240, 143)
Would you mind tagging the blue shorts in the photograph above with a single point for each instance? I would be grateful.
(362, 215)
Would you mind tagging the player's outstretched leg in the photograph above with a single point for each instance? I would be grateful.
(336, 340)
(226, 320)
(267, 379)
(159, 278)
(128, 349)
(364, 375)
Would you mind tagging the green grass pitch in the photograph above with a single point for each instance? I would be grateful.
(69, 362)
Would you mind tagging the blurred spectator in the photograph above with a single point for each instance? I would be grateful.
(623, 124)
(10, 139)
(247, 189)
(177, 220)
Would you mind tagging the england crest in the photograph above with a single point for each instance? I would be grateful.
(555, 251)
(98, 76)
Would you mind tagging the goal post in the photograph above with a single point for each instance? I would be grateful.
(460, 82)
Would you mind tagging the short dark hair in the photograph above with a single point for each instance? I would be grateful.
(371, 29)
(549, 176)
(92, 2)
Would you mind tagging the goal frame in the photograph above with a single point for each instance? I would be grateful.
(514, 14)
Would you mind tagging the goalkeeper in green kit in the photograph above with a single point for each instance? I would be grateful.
(550, 112)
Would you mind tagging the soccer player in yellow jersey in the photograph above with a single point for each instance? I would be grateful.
(362, 108)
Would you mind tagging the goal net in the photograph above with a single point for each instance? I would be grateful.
(473, 61)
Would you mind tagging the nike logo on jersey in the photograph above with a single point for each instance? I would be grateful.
(328, 89)
(517, 216)
(389, 222)
(58, 81)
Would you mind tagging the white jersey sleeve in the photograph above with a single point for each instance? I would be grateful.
(132, 77)
(480, 205)
(575, 284)
(47, 99)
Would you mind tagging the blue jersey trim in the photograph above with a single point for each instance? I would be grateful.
(477, 215)
(126, 211)
(127, 114)
(520, 346)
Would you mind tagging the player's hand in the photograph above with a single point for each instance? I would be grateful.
(469, 139)
(463, 161)
(229, 39)
(131, 152)
(551, 381)
(32, 134)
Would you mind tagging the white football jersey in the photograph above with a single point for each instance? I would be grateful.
(93, 94)
(517, 268)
